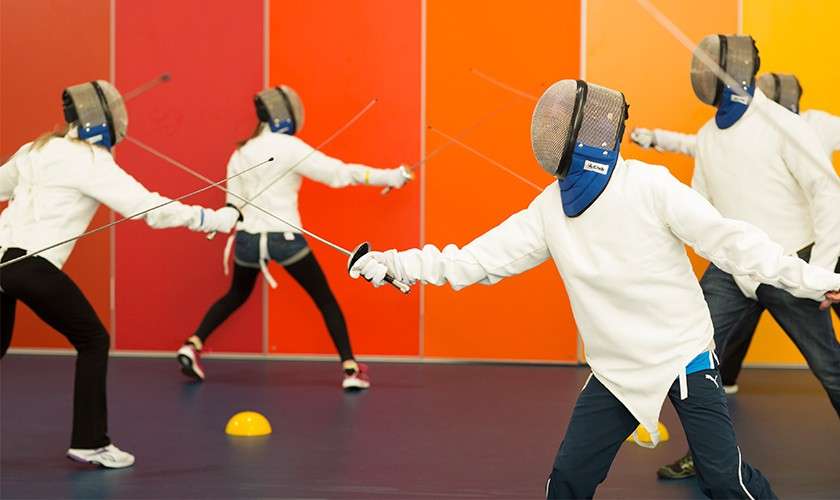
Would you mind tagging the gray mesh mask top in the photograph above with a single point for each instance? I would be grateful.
(603, 117)
(784, 89)
(557, 127)
(281, 106)
(89, 111)
(736, 55)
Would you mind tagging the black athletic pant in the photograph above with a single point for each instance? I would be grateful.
(732, 357)
(53, 296)
(600, 424)
(309, 275)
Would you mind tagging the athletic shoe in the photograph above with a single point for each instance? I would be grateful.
(190, 359)
(681, 469)
(730, 389)
(109, 457)
(356, 380)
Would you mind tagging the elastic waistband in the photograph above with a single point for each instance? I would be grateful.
(703, 361)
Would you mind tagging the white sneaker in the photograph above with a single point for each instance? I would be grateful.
(730, 389)
(109, 456)
(190, 359)
(356, 380)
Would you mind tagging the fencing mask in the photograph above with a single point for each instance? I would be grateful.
(576, 132)
(737, 55)
(281, 108)
(784, 89)
(99, 110)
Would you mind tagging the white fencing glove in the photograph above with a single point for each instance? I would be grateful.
(398, 177)
(222, 220)
(373, 266)
(643, 137)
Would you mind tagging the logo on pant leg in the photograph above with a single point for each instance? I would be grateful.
(713, 379)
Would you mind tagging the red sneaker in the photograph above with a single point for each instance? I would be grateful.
(190, 359)
(356, 380)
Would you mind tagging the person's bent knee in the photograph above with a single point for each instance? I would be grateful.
(100, 342)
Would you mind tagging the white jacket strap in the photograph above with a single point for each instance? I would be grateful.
(226, 255)
(264, 256)
(654, 439)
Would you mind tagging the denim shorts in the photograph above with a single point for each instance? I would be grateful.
(284, 248)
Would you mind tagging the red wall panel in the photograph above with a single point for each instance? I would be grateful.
(338, 56)
(166, 279)
(42, 52)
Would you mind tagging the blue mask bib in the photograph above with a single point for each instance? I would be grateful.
(286, 126)
(97, 134)
(732, 107)
(590, 171)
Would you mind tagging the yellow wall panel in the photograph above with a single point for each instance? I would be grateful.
(799, 38)
(628, 50)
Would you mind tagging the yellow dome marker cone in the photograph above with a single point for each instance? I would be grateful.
(248, 423)
(644, 436)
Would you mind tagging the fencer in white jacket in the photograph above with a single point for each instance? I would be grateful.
(636, 301)
(827, 128)
(54, 186)
(260, 238)
(759, 162)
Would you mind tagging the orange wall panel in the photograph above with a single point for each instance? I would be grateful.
(339, 56)
(527, 47)
(42, 51)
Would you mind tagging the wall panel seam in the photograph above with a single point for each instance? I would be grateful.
(421, 323)
(112, 232)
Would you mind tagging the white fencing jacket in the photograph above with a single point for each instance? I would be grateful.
(754, 172)
(55, 191)
(281, 198)
(293, 160)
(826, 125)
(636, 301)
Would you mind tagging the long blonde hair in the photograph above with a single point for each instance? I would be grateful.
(46, 137)
(255, 133)
(57, 132)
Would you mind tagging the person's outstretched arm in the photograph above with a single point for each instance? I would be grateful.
(109, 184)
(827, 127)
(665, 140)
(735, 246)
(513, 247)
(337, 174)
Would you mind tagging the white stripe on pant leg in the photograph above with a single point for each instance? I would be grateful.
(547, 484)
(587, 382)
(683, 384)
(741, 477)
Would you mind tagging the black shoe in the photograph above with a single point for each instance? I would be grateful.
(681, 469)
